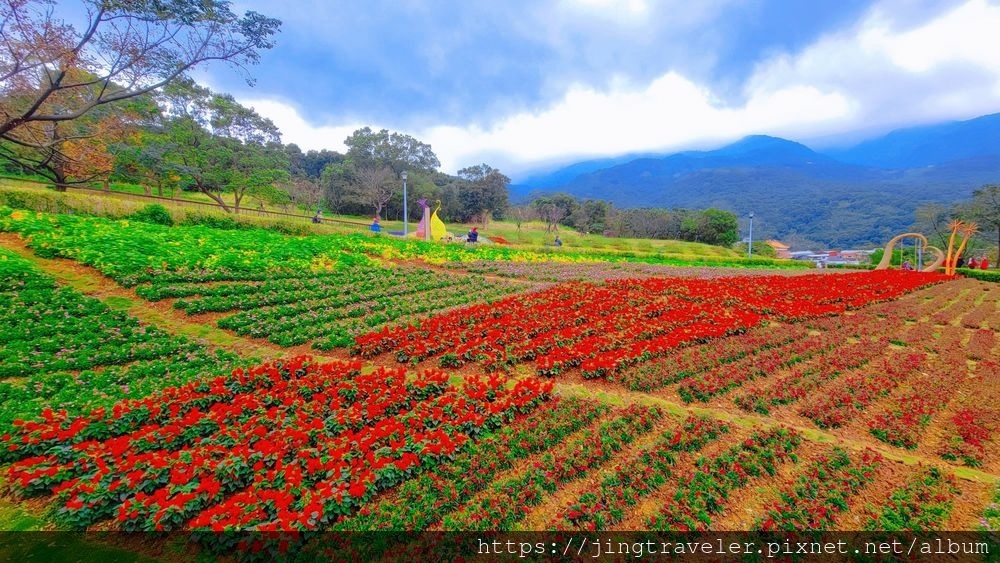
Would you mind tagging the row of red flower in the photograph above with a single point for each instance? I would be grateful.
(810, 375)
(824, 490)
(704, 491)
(635, 478)
(607, 328)
(922, 504)
(859, 389)
(904, 418)
(724, 377)
(419, 503)
(508, 501)
(286, 446)
(691, 360)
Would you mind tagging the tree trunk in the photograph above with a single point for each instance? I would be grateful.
(60, 183)
(216, 198)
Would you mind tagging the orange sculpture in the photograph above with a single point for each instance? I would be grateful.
(967, 229)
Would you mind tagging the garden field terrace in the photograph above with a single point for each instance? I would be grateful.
(153, 379)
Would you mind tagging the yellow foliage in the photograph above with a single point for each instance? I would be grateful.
(322, 263)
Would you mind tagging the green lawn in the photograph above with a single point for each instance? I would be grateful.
(532, 235)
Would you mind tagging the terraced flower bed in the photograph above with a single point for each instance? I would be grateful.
(62, 350)
(326, 308)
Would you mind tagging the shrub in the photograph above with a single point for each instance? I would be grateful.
(155, 214)
(214, 221)
(982, 275)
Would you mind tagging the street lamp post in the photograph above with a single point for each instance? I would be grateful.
(406, 221)
(750, 246)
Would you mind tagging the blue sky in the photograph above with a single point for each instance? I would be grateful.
(524, 85)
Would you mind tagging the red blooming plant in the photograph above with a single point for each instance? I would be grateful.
(856, 391)
(923, 504)
(970, 430)
(908, 414)
(421, 502)
(508, 501)
(826, 489)
(806, 377)
(286, 446)
(605, 329)
(636, 478)
(702, 493)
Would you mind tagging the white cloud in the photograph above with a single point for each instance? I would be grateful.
(966, 35)
(867, 76)
(295, 129)
(944, 69)
(671, 112)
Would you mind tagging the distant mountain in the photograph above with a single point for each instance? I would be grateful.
(562, 175)
(926, 146)
(854, 197)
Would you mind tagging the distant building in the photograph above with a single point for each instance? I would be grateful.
(781, 250)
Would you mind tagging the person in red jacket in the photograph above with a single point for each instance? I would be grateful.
(984, 263)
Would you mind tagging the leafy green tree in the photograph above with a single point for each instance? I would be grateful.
(591, 216)
(55, 76)
(985, 209)
(396, 151)
(711, 226)
(335, 181)
(484, 193)
(143, 160)
(215, 145)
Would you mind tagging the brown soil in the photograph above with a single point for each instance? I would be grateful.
(684, 467)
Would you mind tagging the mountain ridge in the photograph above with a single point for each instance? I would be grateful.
(801, 192)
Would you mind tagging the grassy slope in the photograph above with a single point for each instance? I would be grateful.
(530, 235)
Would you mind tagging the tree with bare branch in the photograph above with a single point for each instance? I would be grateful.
(53, 74)
(374, 185)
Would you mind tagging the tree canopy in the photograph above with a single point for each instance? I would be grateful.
(55, 76)
(985, 208)
(397, 151)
